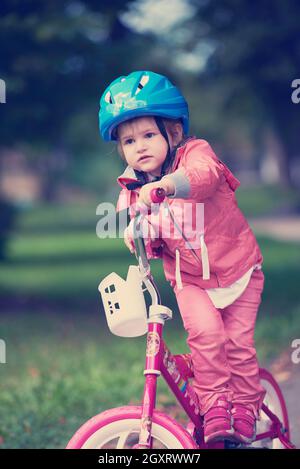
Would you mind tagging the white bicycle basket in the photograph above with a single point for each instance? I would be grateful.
(124, 303)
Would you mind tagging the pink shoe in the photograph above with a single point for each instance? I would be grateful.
(218, 422)
(244, 423)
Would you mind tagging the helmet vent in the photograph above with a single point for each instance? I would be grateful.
(108, 97)
(144, 80)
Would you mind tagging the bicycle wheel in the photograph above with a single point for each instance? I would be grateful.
(119, 429)
(274, 400)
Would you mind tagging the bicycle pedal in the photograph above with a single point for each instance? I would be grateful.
(228, 444)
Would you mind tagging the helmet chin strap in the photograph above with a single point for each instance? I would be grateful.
(162, 129)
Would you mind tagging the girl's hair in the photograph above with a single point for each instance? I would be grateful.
(169, 124)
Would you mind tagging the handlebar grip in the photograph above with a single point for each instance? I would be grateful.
(157, 195)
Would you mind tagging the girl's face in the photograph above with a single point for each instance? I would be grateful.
(144, 147)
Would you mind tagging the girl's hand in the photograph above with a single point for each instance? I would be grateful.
(147, 230)
(128, 240)
(144, 194)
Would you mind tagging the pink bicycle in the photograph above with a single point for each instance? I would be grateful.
(144, 427)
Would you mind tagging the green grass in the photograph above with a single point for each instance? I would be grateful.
(63, 365)
(61, 266)
(62, 370)
(57, 217)
(263, 200)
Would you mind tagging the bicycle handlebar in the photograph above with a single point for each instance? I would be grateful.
(157, 196)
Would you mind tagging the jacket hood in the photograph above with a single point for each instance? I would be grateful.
(127, 177)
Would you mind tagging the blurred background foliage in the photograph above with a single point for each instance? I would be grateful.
(235, 62)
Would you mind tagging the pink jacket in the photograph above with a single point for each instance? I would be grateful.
(225, 247)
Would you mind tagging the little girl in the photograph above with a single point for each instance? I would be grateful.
(217, 283)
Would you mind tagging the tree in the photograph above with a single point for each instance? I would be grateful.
(56, 57)
(256, 47)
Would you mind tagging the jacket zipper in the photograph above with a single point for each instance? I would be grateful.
(203, 261)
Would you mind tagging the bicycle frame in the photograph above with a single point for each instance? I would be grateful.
(177, 369)
(159, 360)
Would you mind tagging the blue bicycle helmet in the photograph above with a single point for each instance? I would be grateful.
(141, 93)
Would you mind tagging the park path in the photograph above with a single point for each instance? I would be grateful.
(282, 228)
(287, 373)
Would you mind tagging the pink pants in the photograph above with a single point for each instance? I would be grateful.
(222, 344)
